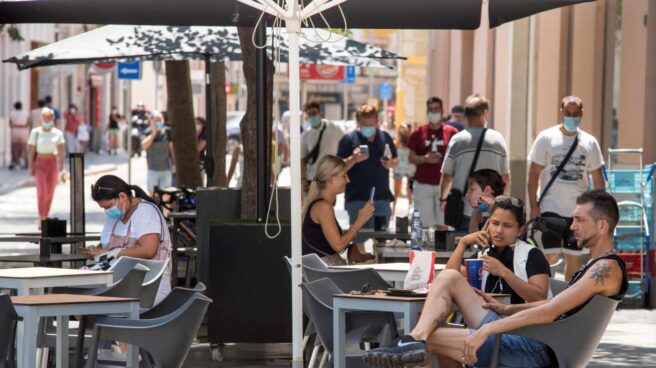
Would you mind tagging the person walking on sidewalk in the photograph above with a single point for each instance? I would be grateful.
(475, 148)
(562, 158)
(159, 152)
(427, 149)
(73, 123)
(20, 128)
(46, 149)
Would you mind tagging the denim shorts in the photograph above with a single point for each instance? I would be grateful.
(515, 351)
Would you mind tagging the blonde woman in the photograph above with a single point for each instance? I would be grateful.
(321, 232)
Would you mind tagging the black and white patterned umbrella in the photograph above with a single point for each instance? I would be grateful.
(126, 42)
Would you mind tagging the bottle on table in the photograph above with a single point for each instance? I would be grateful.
(416, 231)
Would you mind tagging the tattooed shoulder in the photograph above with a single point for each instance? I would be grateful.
(600, 272)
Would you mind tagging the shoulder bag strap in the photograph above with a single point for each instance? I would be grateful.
(560, 168)
(475, 161)
(314, 154)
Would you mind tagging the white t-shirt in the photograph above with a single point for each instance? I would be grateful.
(329, 143)
(146, 219)
(549, 149)
(46, 142)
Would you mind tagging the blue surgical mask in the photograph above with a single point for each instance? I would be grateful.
(571, 124)
(48, 125)
(368, 131)
(160, 125)
(114, 212)
(314, 121)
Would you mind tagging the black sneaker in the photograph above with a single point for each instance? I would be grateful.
(406, 352)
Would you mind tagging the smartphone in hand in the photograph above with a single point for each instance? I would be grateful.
(364, 149)
(372, 193)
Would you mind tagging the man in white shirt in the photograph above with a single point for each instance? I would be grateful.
(20, 128)
(550, 148)
(320, 139)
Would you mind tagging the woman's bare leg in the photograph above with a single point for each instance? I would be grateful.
(448, 288)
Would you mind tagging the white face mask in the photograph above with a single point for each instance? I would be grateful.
(434, 117)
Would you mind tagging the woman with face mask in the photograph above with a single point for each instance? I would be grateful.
(134, 224)
(510, 265)
(46, 150)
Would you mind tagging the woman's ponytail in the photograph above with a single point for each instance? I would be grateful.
(140, 193)
(313, 194)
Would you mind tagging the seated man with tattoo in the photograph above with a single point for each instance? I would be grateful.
(594, 220)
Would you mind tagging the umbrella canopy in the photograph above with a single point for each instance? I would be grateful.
(396, 14)
(122, 42)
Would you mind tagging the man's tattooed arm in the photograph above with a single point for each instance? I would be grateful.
(600, 272)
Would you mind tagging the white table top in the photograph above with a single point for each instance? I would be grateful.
(46, 272)
(396, 266)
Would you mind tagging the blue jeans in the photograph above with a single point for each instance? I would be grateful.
(382, 208)
(515, 351)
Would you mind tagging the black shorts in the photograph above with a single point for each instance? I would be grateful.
(553, 243)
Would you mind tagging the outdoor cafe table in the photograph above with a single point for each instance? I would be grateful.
(409, 306)
(61, 306)
(32, 280)
(403, 252)
(390, 272)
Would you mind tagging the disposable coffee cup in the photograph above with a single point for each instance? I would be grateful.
(474, 272)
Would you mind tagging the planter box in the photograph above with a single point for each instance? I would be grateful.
(249, 284)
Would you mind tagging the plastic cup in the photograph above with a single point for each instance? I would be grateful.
(474, 271)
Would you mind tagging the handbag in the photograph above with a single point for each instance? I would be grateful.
(455, 207)
(560, 168)
(330, 259)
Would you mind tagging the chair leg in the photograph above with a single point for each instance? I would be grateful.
(313, 357)
(324, 358)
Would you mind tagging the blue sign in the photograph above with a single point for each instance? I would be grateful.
(350, 75)
(385, 91)
(129, 70)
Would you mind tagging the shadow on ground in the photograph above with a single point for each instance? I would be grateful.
(621, 355)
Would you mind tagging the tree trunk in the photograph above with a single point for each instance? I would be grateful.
(248, 123)
(219, 139)
(181, 117)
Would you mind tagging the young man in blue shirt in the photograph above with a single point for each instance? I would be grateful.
(368, 167)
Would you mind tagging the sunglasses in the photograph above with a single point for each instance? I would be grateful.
(505, 199)
(95, 189)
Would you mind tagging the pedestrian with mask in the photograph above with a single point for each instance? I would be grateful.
(159, 153)
(562, 158)
(319, 140)
(427, 146)
(46, 150)
(369, 154)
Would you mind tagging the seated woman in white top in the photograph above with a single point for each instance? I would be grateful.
(134, 224)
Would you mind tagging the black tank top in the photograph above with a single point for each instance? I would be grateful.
(579, 274)
(314, 241)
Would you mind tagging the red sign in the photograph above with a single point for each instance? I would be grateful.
(107, 65)
(322, 72)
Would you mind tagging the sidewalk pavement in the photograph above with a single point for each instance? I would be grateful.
(93, 164)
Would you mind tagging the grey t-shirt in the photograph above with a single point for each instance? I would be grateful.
(157, 155)
(460, 154)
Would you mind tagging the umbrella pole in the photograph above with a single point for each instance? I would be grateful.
(293, 31)
(209, 151)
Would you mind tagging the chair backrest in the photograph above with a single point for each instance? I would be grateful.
(314, 261)
(129, 286)
(151, 281)
(348, 280)
(8, 321)
(574, 339)
(172, 302)
(167, 338)
(557, 286)
(318, 301)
